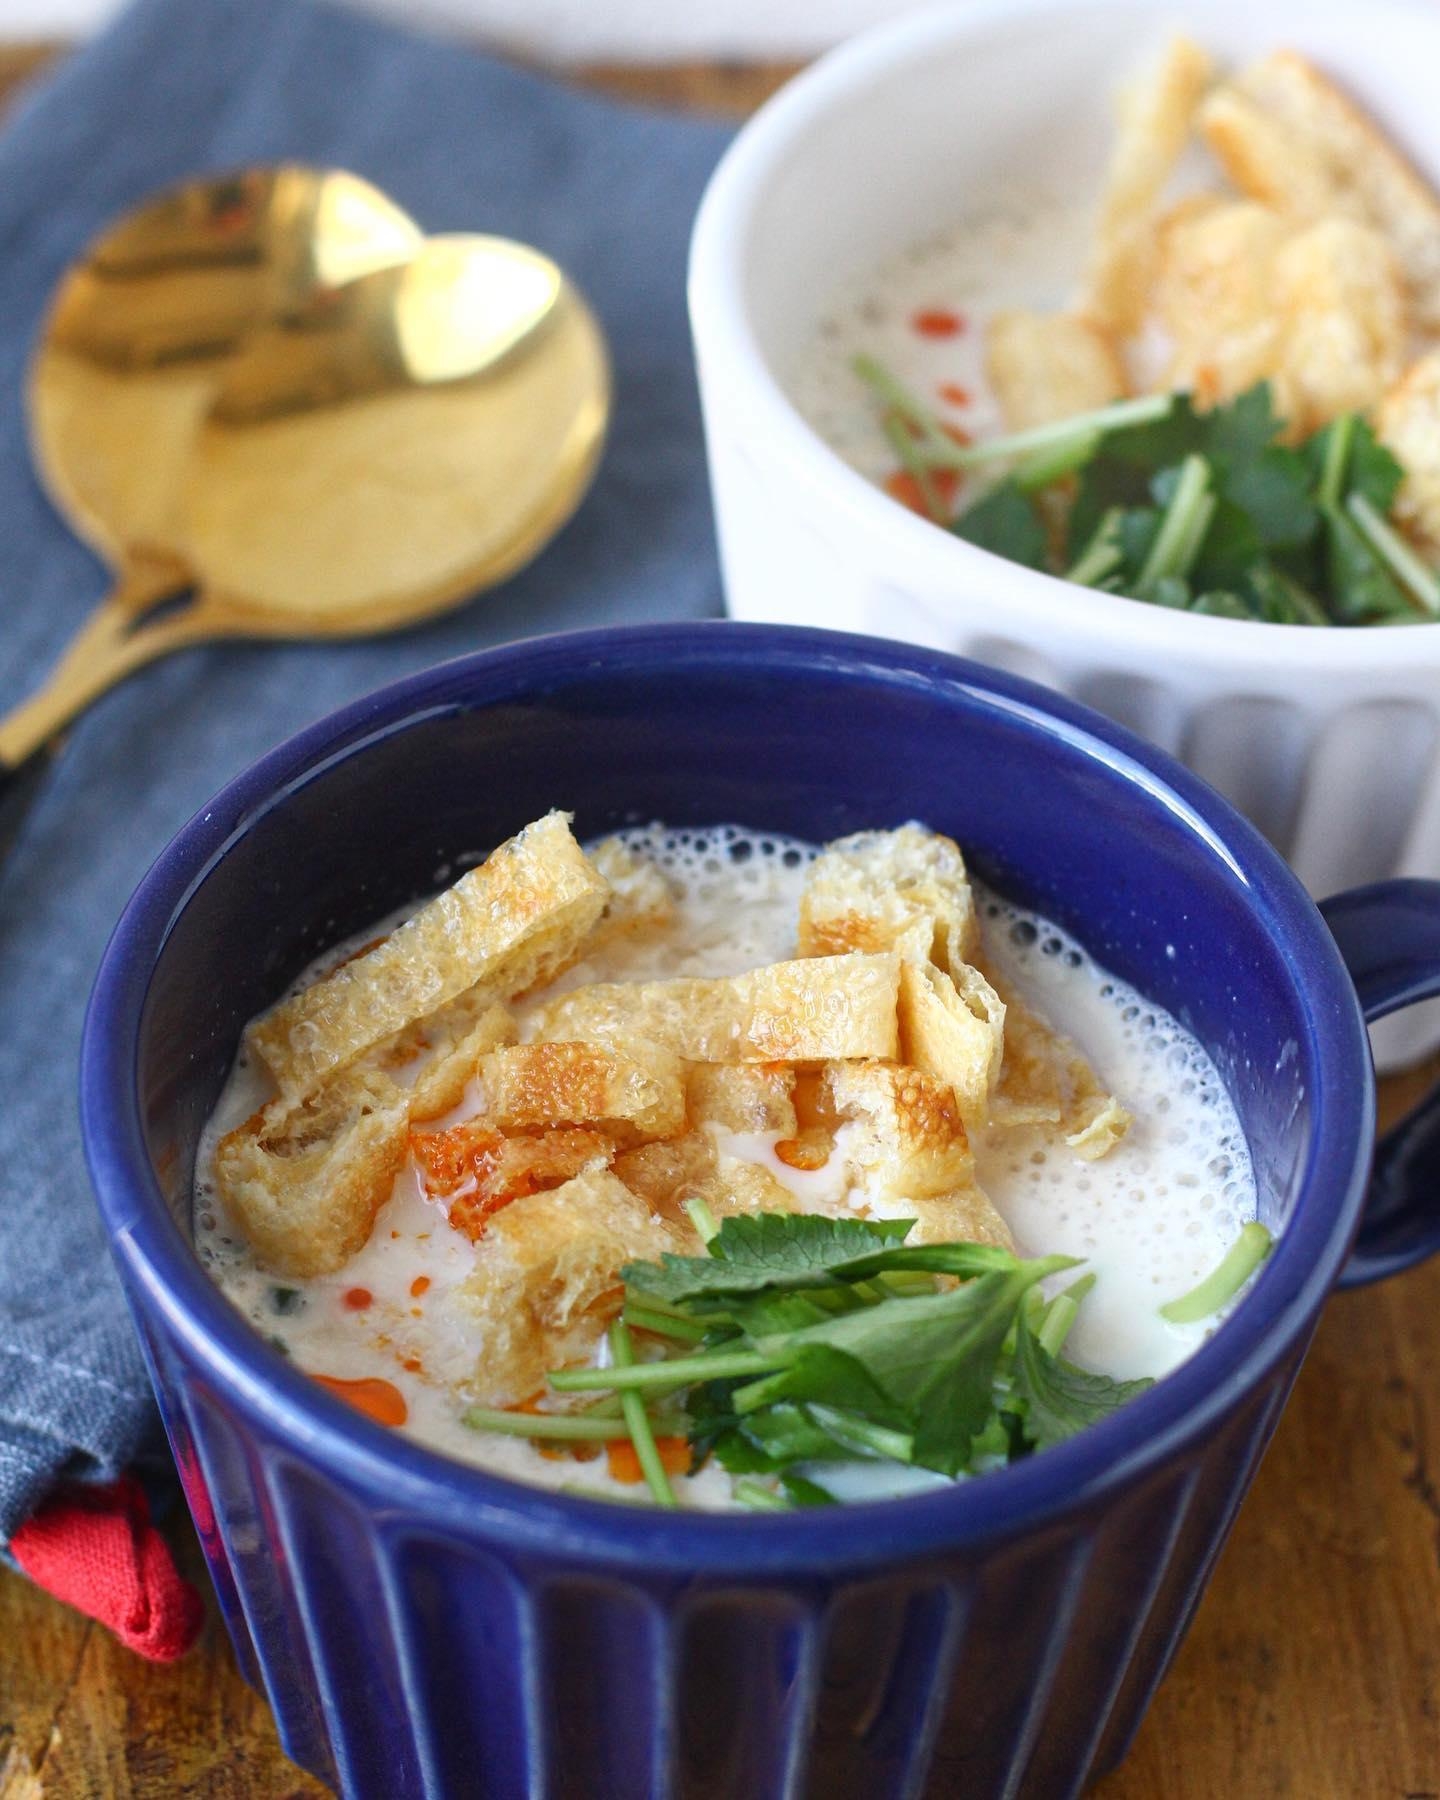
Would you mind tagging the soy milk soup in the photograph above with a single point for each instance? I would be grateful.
(923, 314)
(1150, 1219)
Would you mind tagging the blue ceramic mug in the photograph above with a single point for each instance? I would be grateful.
(423, 1628)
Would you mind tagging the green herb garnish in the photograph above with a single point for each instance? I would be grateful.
(286, 1300)
(1203, 512)
(810, 1341)
(1224, 1282)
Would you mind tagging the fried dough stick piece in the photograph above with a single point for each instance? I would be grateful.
(908, 1148)
(479, 1170)
(641, 899)
(1046, 1080)
(1408, 423)
(692, 1167)
(304, 1179)
(546, 1279)
(1155, 125)
(742, 1097)
(1044, 367)
(630, 1089)
(1286, 135)
(806, 1011)
(1214, 295)
(1247, 294)
(1345, 329)
(516, 920)
(907, 890)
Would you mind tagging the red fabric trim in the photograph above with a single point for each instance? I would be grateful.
(94, 1548)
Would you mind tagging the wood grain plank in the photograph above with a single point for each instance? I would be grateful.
(1313, 1667)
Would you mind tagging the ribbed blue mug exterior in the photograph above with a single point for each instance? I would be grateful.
(425, 1629)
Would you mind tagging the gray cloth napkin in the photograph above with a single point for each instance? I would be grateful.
(176, 88)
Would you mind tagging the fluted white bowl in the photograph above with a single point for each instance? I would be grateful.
(1328, 740)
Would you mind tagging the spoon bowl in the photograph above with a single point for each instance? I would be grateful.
(347, 426)
(397, 444)
(143, 327)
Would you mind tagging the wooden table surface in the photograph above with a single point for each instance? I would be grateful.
(1312, 1669)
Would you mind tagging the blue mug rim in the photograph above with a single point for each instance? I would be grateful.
(160, 1263)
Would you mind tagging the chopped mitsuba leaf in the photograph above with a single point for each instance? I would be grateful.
(812, 1341)
(1005, 522)
(1206, 512)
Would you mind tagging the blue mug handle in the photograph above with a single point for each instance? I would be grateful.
(1389, 936)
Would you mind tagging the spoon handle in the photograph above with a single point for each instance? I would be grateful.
(114, 641)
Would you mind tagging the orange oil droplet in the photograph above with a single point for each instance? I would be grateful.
(379, 1400)
(937, 322)
(356, 1299)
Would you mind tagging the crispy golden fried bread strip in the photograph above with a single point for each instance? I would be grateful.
(1048, 366)
(1285, 134)
(629, 1089)
(908, 891)
(1155, 124)
(1045, 1080)
(546, 1278)
(954, 1031)
(304, 1181)
(824, 1008)
(640, 897)
(1344, 327)
(967, 1215)
(516, 920)
(742, 1096)
(692, 1167)
(904, 890)
(907, 1145)
(451, 1043)
(1408, 423)
(907, 1138)
(670, 1172)
(1214, 296)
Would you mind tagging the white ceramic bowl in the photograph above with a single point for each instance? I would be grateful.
(1329, 740)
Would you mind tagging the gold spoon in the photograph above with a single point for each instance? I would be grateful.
(345, 427)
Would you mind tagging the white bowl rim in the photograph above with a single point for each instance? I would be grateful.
(1038, 601)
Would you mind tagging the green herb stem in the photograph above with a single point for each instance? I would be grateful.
(1053, 463)
(581, 1428)
(854, 1433)
(1199, 524)
(638, 1422)
(1236, 1267)
(758, 1497)
(1337, 460)
(701, 1217)
(907, 450)
(1176, 535)
(679, 1371)
(662, 1324)
(940, 452)
(1413, 574)
(1060, 1315)
(906, 1281)
(1101, 556)
(1142, 411)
